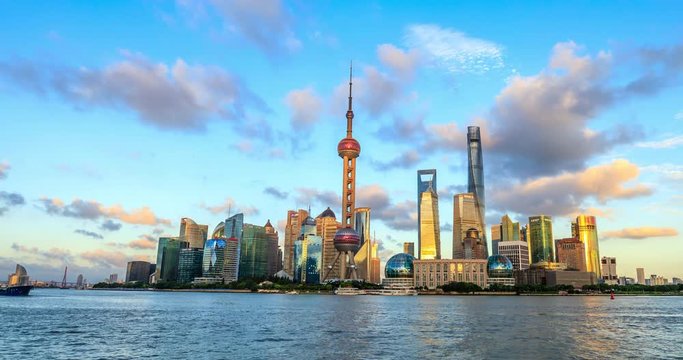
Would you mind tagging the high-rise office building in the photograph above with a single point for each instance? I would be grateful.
(517, 252)
(213, 258)
(326, 227)
(509, 230)
(347, 240)
(193, 233)
(363, 256)
(292, 231)
(586, 230)
(495, 238)
(80, 283)
(465, 217)
(428, 230)
(375, 271)
(572, 252)
(113, 278)
(541, 239)
(168, 253)
(409, 248)
(475, 175)
(308, 254)
(273, 238)
(234, 227)
(190, 264)
(640, 274)
(253, 252)
(609, 270)
(136, 271)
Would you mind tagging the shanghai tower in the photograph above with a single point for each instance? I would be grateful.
(475, 174)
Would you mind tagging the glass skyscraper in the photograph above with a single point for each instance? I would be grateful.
(308, 254)
(168, 254)
(428, 231)
(190, 264)
(363, 257)
(254, 252)
(213, 258)
(541, 243)
(233, 230)
(475, 174)
(586, 230)
(193, 233)
(465, 217)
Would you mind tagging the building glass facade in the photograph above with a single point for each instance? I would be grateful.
(168, 254)
(363, 257)
(213, 258)
(586, 230)
(190, 264)
(137, 271)
(193, 233)
(541, 239)
(273, 238)
(292, 231)
(253, 252)
(475, 175)
(428, 231)
(409, 248)
(465, 217)
(326, 227)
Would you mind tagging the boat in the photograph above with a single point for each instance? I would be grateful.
(349, 291)
(22, 290)
(293, 292)
(17, 283)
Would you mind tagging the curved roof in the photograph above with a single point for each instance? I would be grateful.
(219, 231)
(399, 266)
(327, 213)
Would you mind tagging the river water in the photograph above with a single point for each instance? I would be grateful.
(70, 324)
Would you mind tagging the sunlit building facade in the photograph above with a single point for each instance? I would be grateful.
(572, 252)
(234, 226)
(473, 245)
(292, 231)
(609, 270)
(190, 264)
(495, 238)
(19, 277)
(585, 229)
(326, 227)
(409, 248)
(541, 239)
(363, 257)
(375, 268)
(465, 217)
(168, 254)
(308, 249)
(192, 233)
(640, 275)
(431, 274)
(428, 237)
(273, 238)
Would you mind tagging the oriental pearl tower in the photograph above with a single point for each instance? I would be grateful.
(346, 240)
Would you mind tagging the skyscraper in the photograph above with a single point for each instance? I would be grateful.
(213, 258)
(409, 248)
(517, 252)
(509, 230)
(586, 230)
(308, 254)
(541, 239)
(292, 231)
(136, 271)
(253, 252)
(609, 270)
(234, 226)
(475, 175)
(168, 253)
(193, 233)
(495, 238)
(272, 236)
(363, 257)
(465, 217)
(326, 227)
(190, 264)
(428, 231)
(375, 268)
(572, 252)
(640, 274)
(346, 240)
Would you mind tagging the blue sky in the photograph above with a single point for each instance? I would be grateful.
(138, 114)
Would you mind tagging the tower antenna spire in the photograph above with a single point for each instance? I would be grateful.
(349, 112)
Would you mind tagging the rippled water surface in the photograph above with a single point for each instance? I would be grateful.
(70, 324)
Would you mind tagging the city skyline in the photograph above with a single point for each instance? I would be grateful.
(109, 148)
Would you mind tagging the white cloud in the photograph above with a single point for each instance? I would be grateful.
(668, 143)
(453, 50)
(305, 107)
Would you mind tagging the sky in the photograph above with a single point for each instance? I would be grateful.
(120, 118)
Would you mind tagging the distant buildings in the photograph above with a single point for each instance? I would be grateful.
(409, 248)
(431, 274)
(190, 264)
(136, 271)
(473, 246)
(326, 227)
(234, 225)
(640, 275)
(375, 264)
(507, 230)
(292, 231)
(273, 251)
(168, 254)
(213, 257)
(572, 252)
(254, 248)
(113, 278)
(548, 277)
(19, 277)
(465, 217)
(308, 254)
(541, 239)
(428, 231)
(585, 229)
(609, 270)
